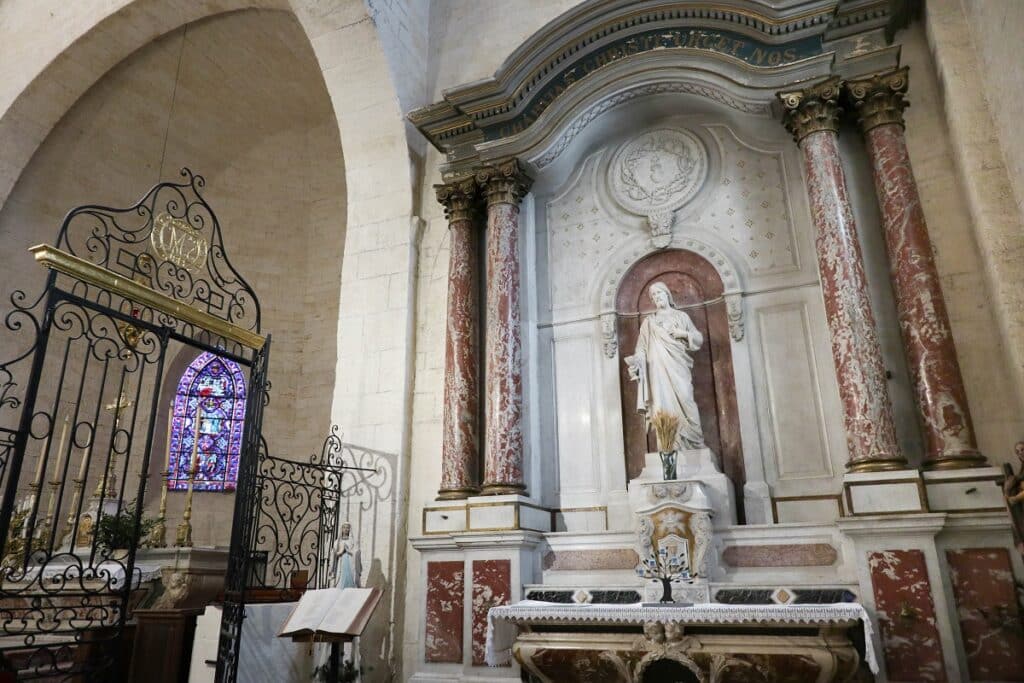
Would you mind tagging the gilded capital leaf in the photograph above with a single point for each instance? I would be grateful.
(879, 99)
(504, 182)
(812, 109)
(457, 197)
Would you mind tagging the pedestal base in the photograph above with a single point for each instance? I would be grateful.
(976, 489)
(881, 493)
(693, 466)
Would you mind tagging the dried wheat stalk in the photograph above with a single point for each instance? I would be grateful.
(666, 426)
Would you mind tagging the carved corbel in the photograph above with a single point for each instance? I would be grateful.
(609, 334)
(700, 526)
(660, 225)
(734, 312)
(177, 586)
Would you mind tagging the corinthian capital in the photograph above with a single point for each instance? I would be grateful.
(879, 99)
(812, 109)
(505, 182)
(457, 197)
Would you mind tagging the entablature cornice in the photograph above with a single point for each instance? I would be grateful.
(758, 35)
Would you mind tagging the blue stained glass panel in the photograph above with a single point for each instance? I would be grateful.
(206, 425)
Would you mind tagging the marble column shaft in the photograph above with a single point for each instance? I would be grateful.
(504, 185)
(812, 115)
(461, 435)
(927, 338)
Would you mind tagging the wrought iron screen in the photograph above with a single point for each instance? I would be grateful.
(293, 525)
(77, 408)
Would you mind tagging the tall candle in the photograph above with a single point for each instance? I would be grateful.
(57, 475)
(195, 439)
(170, 427)
(39, 465)
(86, 452)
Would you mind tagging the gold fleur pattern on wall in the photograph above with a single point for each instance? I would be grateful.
(750, 210)
(579, 231)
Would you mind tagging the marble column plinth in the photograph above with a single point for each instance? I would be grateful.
(504, 186)
(927, 338)
(461, 435)
(812, 115)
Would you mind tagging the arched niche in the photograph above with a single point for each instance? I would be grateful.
(697, 288)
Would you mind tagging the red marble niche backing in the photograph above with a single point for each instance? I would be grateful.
(986, 605)
(492, 586)
(906, 616)
(692, 280)
(445, 602)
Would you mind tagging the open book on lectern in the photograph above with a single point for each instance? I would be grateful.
(331, 613)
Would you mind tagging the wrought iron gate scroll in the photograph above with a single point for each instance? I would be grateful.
(282, 540)
(78, 404)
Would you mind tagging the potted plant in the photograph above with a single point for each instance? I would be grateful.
(116, 533)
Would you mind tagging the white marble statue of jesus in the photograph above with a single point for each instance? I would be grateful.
(662, 366)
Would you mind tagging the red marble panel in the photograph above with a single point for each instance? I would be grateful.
(906, 616)
(783, 555)
(445, 602)
(692, 280)
(492, 586)
(986, 603)
(615, 558)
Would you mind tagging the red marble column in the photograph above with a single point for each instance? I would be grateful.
(504, 186)
(461, 436)
(927, 338)
(812, 115)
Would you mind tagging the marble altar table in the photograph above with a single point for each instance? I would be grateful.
(723, 643)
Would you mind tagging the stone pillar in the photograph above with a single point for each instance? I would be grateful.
(461, 439)
(504, 185)
(927, 338)
(812, 116)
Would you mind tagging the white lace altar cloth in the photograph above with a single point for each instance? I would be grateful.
(502, 621)
(110, 573)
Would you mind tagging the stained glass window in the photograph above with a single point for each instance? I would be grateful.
(210, 404)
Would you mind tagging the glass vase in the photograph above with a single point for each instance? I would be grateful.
(668, 465)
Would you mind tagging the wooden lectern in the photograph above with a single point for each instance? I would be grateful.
(331, 615)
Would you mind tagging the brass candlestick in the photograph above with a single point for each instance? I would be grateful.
(56, 482)
(158, 539)
(184, 535)
(44, 529)
(79, 491)
(69, 523)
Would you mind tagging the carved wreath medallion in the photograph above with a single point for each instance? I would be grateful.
(658, 171)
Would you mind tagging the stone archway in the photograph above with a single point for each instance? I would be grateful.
(68, 47)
